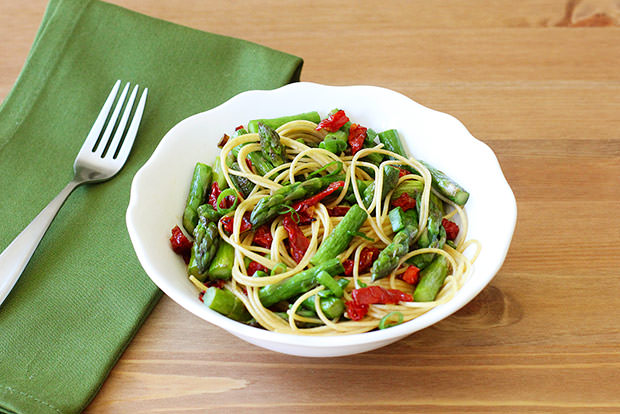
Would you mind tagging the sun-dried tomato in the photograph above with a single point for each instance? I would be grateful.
(254, 267)
(376, 294)
(355, 311)
(338, 211)
(452, 229)
(334, 122)
(239, 127)
(228, 223)
(214, 194)
(411, 275)
(402, 172)
(181, 245)
(367, 258)
(263, 237)
(404, 201)
(304, 208)
(249, 164)
(297, 241)
(357, 136)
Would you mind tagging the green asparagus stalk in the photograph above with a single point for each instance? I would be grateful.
(331, 306)
(401, 244)
(218, 175)
(431, 280)
(226, 303)
(341, 236)
(209, 213)
(411, 187)
(271, 147)
(199, 187)
(206, 241)
(270, 206)
(391, 142)
(243, 185)
(390, 180)
(275, 123)
(222, 263)
(335, 142)
(447, 187)
(297, 284)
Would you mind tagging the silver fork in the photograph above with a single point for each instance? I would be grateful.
(99, 159)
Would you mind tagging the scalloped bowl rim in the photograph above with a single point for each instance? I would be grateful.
(461, 138)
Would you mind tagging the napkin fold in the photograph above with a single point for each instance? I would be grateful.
(84, 295)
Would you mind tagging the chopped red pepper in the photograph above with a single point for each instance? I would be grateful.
(334, 122)
(263, 237)
(215, 193)
(355, 311)
(228, 223)
(367, 258)
(338, 211)
(181, 245)
(411, 275)
(452, 229)
(376, 294)
(254, 267)
(304, 207)
(405, 201)
(357, 136)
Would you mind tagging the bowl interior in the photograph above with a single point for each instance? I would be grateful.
(160, 188)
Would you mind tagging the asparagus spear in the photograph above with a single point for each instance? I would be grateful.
(434, 235)
(431, 280)
(206, 240)
(243, 185)
(297, 284)
(226, 303)
(441, 182)
(270, 145)
(201, 181)
(275, 123)
(218, 175)
(222, 263)
(401, 243)
(390, 179)
(447, 187)
(331, 306)
(270, 206)
(361, 187)
(209, 213)
(258, 160)
(341, 236)
(335, 142)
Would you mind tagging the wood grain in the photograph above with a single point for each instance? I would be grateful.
(539, 82)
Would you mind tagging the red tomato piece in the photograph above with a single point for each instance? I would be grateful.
(263, 237)
(452, 229)
(402, 172)
(376, 294)
(239, 127)
(215, 193)
(338, 211)
(367, 258)
(334, 122)
(357, 136)
(411, 275)
(228, 223)
(355, 311)
(181, 245)
(297, 241)
(254, 267)
(405, 201)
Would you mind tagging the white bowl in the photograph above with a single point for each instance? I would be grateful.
(160, 187)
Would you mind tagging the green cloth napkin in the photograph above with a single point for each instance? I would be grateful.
(84, 295)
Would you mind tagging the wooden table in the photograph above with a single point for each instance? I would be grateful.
(538, 81)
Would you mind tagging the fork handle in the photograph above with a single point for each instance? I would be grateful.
(16, 256)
